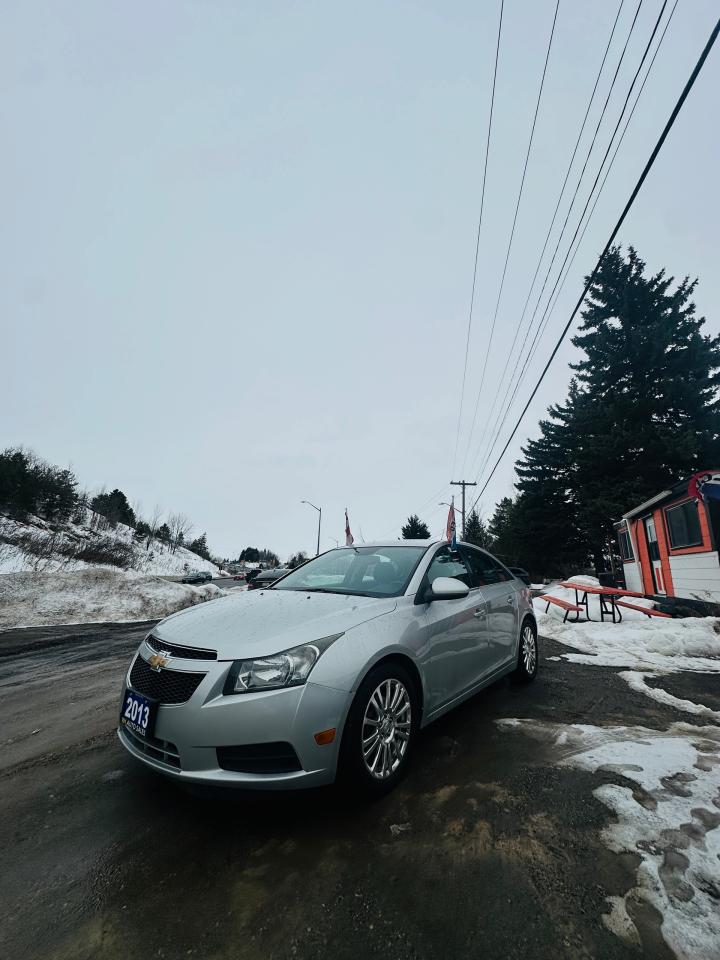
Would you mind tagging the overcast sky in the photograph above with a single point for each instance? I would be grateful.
(238, 239)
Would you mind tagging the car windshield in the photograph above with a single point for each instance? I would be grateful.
(360, 571)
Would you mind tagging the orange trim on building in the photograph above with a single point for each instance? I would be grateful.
(706, 544)
(663, 549)
(643, 556)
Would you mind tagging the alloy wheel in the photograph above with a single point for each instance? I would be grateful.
(529, 650)
(386, 728)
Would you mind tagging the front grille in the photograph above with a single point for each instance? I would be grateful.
(185, 653)
(165, 686)
(259, 758)
(160, 750)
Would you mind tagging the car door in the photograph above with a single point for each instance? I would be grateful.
(456, 632)
(498, 588)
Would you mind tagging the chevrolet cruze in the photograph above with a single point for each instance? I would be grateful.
(330, 672)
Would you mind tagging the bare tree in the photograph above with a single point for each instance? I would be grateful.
(153, 524)
(137, 508)
(180, 529)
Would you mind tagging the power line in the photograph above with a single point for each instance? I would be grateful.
(554, 216)
(636, 190)
(543, 319)
(512, 230)
(567, 215)
(479, 228)
(547, 315)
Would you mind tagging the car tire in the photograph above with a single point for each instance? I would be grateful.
(382, 703)
(528, 654)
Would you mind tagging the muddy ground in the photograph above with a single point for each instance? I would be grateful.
(488, 849)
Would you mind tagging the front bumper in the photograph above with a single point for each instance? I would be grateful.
(188, 735)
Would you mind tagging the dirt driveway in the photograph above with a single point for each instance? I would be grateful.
(493, 846)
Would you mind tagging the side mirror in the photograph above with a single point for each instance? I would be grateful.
(446, 588)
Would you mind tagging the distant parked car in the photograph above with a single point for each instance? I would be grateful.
(197, 576)
(520, 574)
(239, 576)
(265, 577)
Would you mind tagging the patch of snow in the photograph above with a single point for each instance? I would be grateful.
(636, 681)
(671, 822)
(92, 596)
(639, 642)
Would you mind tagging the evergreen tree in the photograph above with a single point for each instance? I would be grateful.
(502, 529)
(29, 485)
(642, 412)
(114, 507)
(415, 529)
(476, 531)
(296, 560)
(200, 547)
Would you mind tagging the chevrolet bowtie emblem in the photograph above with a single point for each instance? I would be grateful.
(158, 660)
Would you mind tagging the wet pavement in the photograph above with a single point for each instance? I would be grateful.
(488, 848)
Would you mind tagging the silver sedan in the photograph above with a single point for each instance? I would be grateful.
(331, 671)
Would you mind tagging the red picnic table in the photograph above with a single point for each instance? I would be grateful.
(609, 601)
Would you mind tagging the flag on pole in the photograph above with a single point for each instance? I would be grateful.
(450, 533)
(704, 486)
(349, 539)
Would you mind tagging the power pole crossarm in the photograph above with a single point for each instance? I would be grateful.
(463, 484)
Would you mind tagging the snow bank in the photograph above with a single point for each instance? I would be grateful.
(638, 642)
(671, 822)
(94, 595)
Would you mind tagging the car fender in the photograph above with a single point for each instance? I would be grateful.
(347, 662)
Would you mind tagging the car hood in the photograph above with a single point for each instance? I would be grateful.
(263, 622)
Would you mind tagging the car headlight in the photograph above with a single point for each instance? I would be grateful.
(287, 669)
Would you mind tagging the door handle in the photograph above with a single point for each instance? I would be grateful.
(511, 599)
(479, 613)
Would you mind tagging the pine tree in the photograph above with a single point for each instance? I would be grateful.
(114, 507)
(200, 547)
(641, 414)
(476, 531)
(296, 560)
(415, 529)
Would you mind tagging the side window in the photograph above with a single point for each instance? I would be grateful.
(486, 569)
(447, 564)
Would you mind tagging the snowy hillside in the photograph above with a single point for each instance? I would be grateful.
(93, 596)
(35, 545)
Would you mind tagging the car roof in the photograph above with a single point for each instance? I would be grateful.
(403, 543)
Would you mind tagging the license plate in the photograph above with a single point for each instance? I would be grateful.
(138, 713)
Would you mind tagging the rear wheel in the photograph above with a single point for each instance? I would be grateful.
(527, 664)
(380, 730)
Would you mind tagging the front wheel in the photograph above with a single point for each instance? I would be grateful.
(380, 730)
(527, 664)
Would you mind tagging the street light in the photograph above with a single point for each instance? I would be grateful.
(319, 510)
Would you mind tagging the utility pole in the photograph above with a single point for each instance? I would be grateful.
(463, 484)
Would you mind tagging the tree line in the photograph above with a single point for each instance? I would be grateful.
(32, 487)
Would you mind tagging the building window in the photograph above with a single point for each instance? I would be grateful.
(684, 525)
(626, 550)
